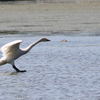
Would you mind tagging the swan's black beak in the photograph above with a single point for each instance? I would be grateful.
(48, 40)
(44, 40)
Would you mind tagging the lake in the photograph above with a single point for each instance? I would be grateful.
(55, 70)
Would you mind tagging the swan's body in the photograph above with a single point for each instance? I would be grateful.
(11, 52)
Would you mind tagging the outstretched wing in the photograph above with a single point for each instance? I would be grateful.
(11, 47)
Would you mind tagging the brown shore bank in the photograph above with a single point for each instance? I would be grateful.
(73, 17)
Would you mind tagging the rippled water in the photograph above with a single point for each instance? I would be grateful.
(55, 70)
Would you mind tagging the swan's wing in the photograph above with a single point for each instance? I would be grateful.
(11, 47)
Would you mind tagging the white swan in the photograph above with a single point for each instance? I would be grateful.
(11, 52)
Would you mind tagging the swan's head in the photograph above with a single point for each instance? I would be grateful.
(44, 40)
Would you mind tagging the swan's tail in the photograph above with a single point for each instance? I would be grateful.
(2, 61)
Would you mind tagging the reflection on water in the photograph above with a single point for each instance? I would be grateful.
(7, 73)
(55, 70)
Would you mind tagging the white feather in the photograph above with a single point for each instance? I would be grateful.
(11, 52)
(12, 47)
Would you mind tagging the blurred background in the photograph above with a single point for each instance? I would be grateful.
(69, 17)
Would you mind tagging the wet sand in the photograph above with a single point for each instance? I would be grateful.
(77, 18)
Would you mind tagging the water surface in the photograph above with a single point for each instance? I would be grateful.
(55, 70)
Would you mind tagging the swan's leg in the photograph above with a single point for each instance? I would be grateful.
(18, 69)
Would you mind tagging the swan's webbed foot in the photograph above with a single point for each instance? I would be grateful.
(17, 70)
(21, 70)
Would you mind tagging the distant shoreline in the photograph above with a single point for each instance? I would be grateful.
(50, 18)
(47, 1)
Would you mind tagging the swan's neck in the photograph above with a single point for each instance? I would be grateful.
(30, 46)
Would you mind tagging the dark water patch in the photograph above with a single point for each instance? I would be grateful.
(75, 32)
(9, 32)
(91, 23)
(31, 25)
(35, 1)
(90, 34)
